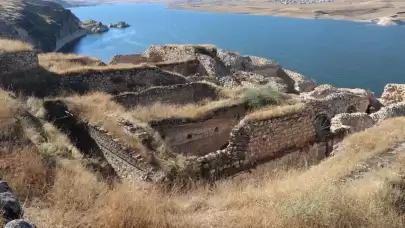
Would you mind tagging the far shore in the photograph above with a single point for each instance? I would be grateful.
(354, 10)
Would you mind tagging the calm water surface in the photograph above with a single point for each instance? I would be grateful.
(342, 53)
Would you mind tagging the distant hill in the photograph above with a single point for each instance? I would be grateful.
(45, 24)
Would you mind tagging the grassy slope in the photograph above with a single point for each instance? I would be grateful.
(71, 196)
(44, 21)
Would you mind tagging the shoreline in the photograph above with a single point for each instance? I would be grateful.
(348, 10)
(175, 7)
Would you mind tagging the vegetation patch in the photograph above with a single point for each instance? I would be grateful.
(275, 111)
(7, 45)
(262, 96)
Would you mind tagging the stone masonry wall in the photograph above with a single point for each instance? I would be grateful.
(126, 162)
(12, 62)
(197, 137)
(270, 137)
(119, 80)
(247, 147)
(176, 94)
(355, 122)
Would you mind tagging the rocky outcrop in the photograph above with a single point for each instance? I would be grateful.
(230, 69)
(19, 223)
(329, 100)
(9, 203)
(92, 26)
(11, 208)
(44, 24)
(393, 93)
(388, 21)
(121, 24)
(301, 83)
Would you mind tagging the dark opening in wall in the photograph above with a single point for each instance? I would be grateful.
(116, 79)
(216, 129)
(223, 147)
(322, 126)
(189, 136)
(77, 132)
(351, 109)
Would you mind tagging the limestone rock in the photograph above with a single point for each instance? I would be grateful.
(351, 122)
(232, 60)
(45, 24)
(393, 110)
(93, 26)
(393, 93)
(121, 24)
(10, 206)
(388, 21)
(19, 223)
(302, 83)
(9, 203)
(332, 101)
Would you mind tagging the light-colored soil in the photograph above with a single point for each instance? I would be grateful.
(358, 10)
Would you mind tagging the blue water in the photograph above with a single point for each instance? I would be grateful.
(341, 53)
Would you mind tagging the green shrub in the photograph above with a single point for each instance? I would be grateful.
(262, 96)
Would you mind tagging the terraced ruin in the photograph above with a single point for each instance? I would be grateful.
(180, 114)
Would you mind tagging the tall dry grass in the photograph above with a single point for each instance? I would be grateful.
(11, 108)
(59, 62)
(8, 45)
(296, 199)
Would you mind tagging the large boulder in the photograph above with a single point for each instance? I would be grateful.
(329, 100)
(121, 24)
(393, 93)
(92, 26)
(9, 203)
(19, 223)
(388, 21)
(301, 83)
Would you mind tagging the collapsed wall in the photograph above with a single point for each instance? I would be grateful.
(200, 136)
(14, 62)
(116, 80)
(258, 140)
(355, 122)
(330, 101)
(176, 94)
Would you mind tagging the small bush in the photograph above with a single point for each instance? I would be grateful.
(262, 96)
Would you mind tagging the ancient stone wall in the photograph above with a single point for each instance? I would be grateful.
(12, 62)
(119, 80)
(354, 122)
(393, 93)
(351, 122)
(126, 162)
(176, 94)
(328, 100)
(270, 137)
(197, 137)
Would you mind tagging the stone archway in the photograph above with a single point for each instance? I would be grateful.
(351, 109)
(322, 125)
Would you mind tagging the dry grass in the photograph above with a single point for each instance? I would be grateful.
(275, 111)
(159, 111)
(25, 171)
(11, 108)
(86, 69)
(297, 199)
(60, 62)
(98, 109)
(7, 45)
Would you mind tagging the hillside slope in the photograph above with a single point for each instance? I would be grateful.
(46, 25)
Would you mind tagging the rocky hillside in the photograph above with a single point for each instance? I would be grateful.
(46, 25)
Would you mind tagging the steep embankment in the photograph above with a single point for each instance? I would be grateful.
(46, 25)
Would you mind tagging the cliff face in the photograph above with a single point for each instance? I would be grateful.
(46, 25)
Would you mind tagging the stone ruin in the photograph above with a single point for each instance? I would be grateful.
(227, 139)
